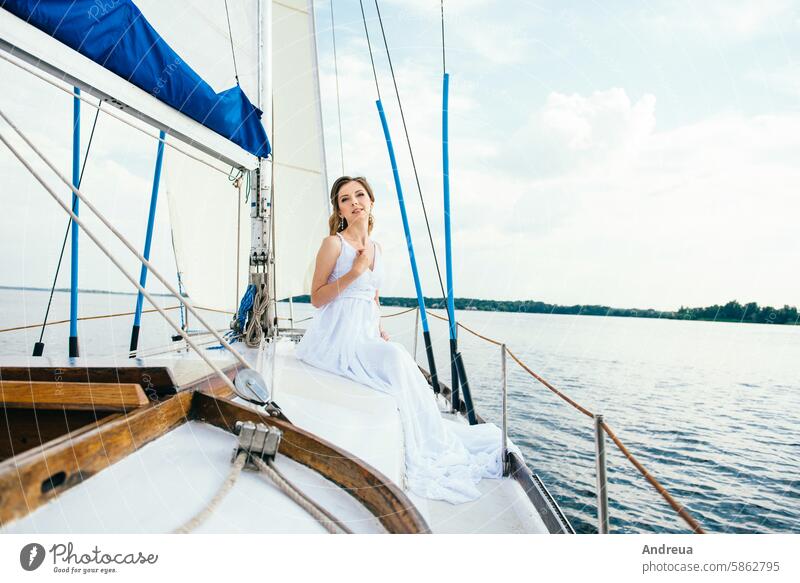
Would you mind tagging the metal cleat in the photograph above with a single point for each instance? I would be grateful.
(256, 440)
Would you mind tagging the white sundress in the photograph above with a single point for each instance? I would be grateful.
(444, 460)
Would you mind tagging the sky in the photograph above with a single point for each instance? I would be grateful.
(640, 155)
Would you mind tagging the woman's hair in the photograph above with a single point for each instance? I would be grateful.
(335, 222)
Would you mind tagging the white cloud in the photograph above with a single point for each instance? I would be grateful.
(785, 79)
(720, 20)
(694, 215)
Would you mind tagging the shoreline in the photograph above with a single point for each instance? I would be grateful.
(731, 312)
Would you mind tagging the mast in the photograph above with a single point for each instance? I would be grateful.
(262, 255)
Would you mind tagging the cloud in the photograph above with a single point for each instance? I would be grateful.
(638, 217)
(785, 79)
(719, 20)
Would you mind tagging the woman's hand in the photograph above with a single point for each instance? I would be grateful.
(361, 262)
(384, 335)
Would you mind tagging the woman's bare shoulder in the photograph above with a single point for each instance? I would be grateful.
(330, 241)
(330, 245)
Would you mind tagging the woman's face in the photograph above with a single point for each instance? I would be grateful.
(354, 202)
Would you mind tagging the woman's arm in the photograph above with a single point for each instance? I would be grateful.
(321, 291)
(384, 335)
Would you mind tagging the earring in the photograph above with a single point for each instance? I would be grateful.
(341, 224)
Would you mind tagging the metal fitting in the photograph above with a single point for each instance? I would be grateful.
(257, 440)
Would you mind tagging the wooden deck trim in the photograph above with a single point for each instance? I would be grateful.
(157, 381)
(376, 492)
(73, 459)
(71, 395)
(81, 454)
(35, 477)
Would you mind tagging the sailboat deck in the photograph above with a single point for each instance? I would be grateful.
(367, 423)
(166, 482)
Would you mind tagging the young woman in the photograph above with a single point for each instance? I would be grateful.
(444, 460)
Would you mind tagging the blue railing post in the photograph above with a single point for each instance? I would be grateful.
(420, 299)
(151, 219)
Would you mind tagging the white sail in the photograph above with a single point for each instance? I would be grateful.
(210, 223)
(301, 200)
(203, 207)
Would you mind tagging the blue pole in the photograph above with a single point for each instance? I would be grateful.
(447, 240)
(76, 159)
(410, 245)
(458, 373)
(151, 219)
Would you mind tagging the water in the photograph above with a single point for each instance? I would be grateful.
(712, 410)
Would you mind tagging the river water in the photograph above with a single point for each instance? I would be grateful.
(712, 410)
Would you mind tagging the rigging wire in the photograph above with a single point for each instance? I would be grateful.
(444, 66)
(338, 102)
(69, 224)
(369, 46)
(230, 37)
(410, 149)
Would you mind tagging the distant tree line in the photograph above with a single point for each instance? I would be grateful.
(733, 311)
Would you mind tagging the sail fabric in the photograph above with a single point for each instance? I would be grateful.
(210, 223)
(301, 206)
(117, 36)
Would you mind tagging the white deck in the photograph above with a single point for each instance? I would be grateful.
(163, 484)
(367, 424)
(159, 487)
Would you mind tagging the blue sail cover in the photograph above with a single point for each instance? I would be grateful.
(117, 36)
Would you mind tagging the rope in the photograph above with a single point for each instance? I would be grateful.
(549, 386)
(230, 36)
(325, 518)
(108, 253)
(253, 332)
(399, 313)
(336, 74)
(109, 112)
(681, 510)
(156, 273)
(228, 312)
(266, 471)
(69, 223)
(84, 318)
(209, 509)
